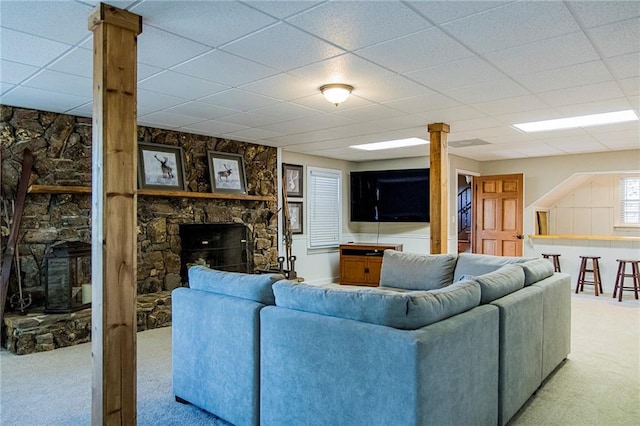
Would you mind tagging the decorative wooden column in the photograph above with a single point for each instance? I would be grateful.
(113, 215)
(438, 186)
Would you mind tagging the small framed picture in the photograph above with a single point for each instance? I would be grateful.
(295, 216)
(292, 176)
(226, 172)
(160, 167)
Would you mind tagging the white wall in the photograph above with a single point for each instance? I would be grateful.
(318, 266)
(546, 174)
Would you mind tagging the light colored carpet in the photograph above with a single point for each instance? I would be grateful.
(598, 385)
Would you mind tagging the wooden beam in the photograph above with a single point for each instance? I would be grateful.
(438, 186)
(113, 215)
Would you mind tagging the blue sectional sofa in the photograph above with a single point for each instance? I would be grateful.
(445, 339)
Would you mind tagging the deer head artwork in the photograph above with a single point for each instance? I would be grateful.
(167, 172)
(225, 173)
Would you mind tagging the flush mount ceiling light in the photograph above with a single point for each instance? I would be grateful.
(399, 143)
(336, 93)
(580, 121)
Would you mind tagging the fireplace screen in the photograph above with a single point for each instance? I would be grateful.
(68, 277)
(222, 246)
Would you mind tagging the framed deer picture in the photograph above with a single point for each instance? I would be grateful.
(160, 167)
(227, 172)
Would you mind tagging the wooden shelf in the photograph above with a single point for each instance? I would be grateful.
(585, 237)
(54, 189)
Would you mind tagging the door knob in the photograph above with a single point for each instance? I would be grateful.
(520, 236)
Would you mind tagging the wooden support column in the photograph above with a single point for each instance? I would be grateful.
(113, 215)
(438, 186)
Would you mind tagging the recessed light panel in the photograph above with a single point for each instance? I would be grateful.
(399, 143)
(580, 121)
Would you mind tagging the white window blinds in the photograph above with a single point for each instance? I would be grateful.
(324, 213)
(629, 200)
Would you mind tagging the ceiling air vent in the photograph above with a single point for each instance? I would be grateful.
(468, 142)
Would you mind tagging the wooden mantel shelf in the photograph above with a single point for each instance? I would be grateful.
(55, 189)
(585, 237)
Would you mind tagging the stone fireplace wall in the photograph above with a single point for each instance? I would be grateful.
(61, 145)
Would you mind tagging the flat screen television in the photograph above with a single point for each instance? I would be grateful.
(390, 196)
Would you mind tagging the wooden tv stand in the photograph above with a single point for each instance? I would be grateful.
(360, 263)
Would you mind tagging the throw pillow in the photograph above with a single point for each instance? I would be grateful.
(255, 287)
(413, 271)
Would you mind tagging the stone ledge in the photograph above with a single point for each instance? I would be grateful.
(39, 332)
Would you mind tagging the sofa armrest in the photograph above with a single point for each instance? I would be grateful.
(556, 320)
(215, 353)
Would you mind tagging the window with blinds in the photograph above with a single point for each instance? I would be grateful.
(628, 205)
(325, 210)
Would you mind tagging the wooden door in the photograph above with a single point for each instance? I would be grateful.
(498, 212)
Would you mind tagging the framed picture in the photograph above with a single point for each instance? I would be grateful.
(226, 172)
(292, 176)
(295, 216)
(160, 167)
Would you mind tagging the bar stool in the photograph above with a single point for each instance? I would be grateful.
(556, 260)
(634, 275)
(595, 271)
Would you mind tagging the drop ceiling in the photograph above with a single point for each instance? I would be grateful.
(251, 71)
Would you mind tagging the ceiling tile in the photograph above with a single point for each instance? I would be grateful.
(625, 66)
(301, 125)
(596, 13)
(171, 83)
(149, 101)
(247, 119)
(544, 55)
(488, 91)
(391, 88)
(224, 68)
(320, 103)
(28, 49)
(423, 103)
(164, 118)
(564, 77)
(282, 9)
(239, 100)
(440, 12)
(5, 87)
(595, 107)
(306, 137)
(446, 115)
(282, 86)
(46, 100)
(369, 113)
(62, 82)
(576, 145)
(301, 48)
(618, 38)
(341, 22)
(76, 61)
(14, 73)
(210, 22)
(39, 23)
(457, 74)
(415, 51)
(524, 22)
(251, 134)
(85, 110)
(162, 49)
(511, 105)
(213, 128)
(582, 94)
(630, 86)
(202, 110)
(284, 111)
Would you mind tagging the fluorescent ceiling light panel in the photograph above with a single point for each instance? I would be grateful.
(399, 143)
(581, 121)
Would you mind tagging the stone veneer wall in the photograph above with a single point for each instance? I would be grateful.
(62, 151)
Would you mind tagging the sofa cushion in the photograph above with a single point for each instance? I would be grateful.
(537, 270)
(478, 264)
(255, 287)
(499, 283)
(413, 271)
(406, 310)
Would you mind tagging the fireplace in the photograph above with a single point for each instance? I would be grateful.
(222, 246)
